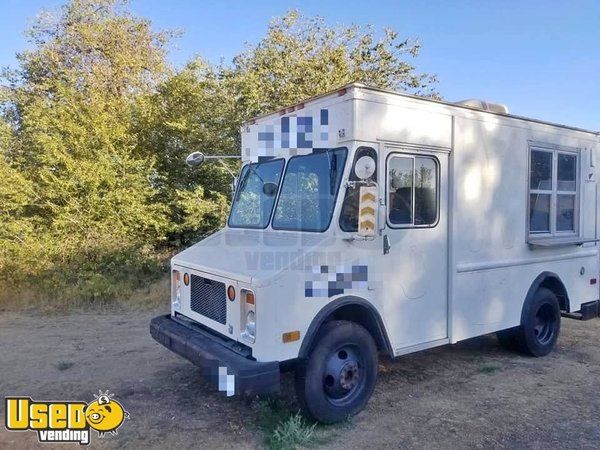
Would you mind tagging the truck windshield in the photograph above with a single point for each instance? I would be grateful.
(255, 196)
(309, 191)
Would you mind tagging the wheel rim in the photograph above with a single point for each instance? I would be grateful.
(344, 375)
(545, 324)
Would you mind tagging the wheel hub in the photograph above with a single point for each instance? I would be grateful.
(349, 375)
(342, 375)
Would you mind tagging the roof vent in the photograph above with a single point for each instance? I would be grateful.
(485, 106)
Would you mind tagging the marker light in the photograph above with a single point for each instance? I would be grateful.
(290, 336)
(231, 293)
(186, 279)
(250, 298)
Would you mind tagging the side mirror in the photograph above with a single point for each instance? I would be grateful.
(195, 159)
(365, 167)
(270, 189)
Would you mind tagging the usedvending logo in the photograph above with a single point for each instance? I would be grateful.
(65, 421)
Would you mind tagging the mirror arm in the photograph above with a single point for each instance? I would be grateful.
(221, 159)
(191, 160)
(229, 171)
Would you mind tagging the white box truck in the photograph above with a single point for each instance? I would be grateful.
(367, 223)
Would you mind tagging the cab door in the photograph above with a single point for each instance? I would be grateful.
(414, 271)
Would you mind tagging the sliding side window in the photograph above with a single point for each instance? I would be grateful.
(553, 192)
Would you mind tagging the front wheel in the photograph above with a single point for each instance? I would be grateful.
(338, 378)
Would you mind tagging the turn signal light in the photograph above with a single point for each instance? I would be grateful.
(230, 293)
(290, 336)
(250, 298)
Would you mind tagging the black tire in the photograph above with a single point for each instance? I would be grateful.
(540, 324)
(338, 378)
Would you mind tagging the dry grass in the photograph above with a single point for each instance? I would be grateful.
(152, 296)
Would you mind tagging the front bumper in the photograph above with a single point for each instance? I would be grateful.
(217, 361)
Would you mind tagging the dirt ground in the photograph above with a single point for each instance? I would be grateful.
(474, 394)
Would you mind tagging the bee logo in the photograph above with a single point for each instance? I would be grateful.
(105, 414)
(65, 421)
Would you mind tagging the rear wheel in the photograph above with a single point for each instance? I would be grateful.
(338, 378)
(540, 325)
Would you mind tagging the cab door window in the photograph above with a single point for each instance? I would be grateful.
(412, 191)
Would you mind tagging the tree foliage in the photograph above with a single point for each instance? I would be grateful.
(71, 105)
(301, 57)
(203, 106)
(95, 126)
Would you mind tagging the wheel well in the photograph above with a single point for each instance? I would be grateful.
(553, 283)
(362, 316)
(353, 310)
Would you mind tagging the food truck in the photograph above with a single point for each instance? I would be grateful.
(367, 223)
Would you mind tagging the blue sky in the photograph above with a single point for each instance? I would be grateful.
(541, 58)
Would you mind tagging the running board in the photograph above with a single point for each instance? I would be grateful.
(589, 310)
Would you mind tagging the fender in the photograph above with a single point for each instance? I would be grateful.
(381, 338)
(539, 281)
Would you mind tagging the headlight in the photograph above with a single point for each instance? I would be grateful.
(249, 313)
(250, 323)
(176, 290)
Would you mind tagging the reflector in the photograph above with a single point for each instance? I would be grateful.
(230, 293)
(290, 336)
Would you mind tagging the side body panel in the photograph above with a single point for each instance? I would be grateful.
(494, 265)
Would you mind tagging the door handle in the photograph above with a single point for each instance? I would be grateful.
(386, 244)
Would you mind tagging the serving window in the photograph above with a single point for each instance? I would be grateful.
(553, 192)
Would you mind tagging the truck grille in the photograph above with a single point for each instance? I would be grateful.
(208, 298)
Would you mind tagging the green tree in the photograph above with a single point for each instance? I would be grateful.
(71, 105)
(301, 57)
(15, 196)
(95, 126)
(202, 106)
(189, 111)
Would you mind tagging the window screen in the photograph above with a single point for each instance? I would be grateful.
(566, 185)
(540, 197)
